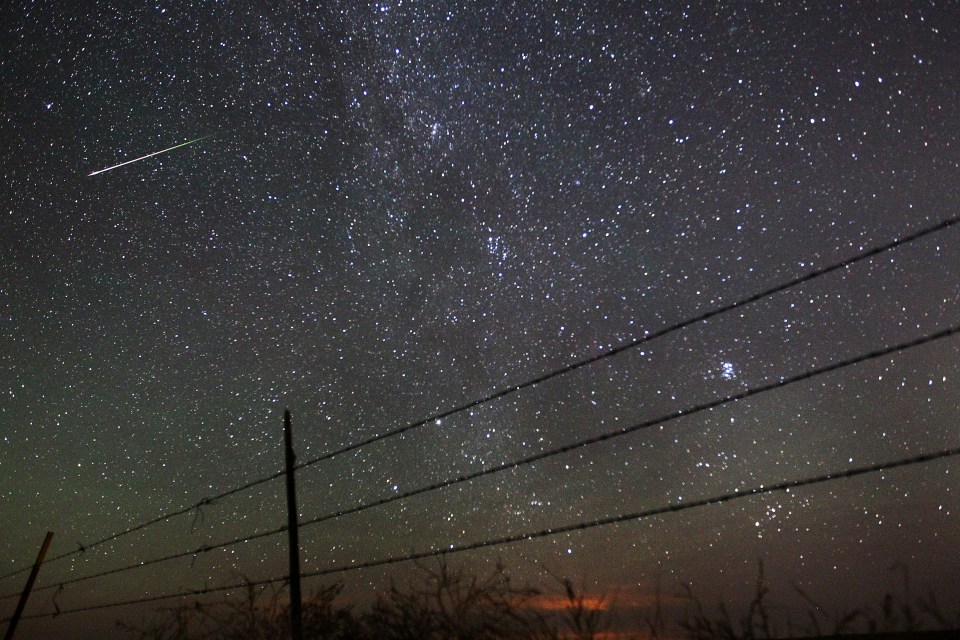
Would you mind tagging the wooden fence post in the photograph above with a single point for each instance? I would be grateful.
(26, 590)
(296, 616)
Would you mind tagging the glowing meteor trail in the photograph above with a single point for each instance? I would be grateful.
(150, 155)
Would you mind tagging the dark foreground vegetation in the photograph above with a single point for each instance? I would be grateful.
(448, 604)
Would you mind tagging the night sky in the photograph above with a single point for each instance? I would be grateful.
(399, 207)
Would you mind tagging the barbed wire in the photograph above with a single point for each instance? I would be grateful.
(83, 548)
(706, 406)
(817, 273)
(451, 549)
(639, 341)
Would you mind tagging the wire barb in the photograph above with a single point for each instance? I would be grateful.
(197, 517)
(53, 600)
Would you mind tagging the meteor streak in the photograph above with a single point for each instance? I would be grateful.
(150, 155)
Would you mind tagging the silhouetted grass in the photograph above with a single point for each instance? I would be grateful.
(441, 603)
(897, 613)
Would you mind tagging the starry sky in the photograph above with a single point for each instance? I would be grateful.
(397, 207)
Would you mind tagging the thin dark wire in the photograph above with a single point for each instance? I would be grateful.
(639, 341)
(524, 385)
(158, 519)
(539, 456)
(638, 515)
(543, 533)
(168, 596)
(706, 406)
(147, 563)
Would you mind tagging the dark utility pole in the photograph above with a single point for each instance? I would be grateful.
(296, 624)
(26, 591)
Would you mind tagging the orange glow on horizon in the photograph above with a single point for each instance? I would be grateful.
(558, 601)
